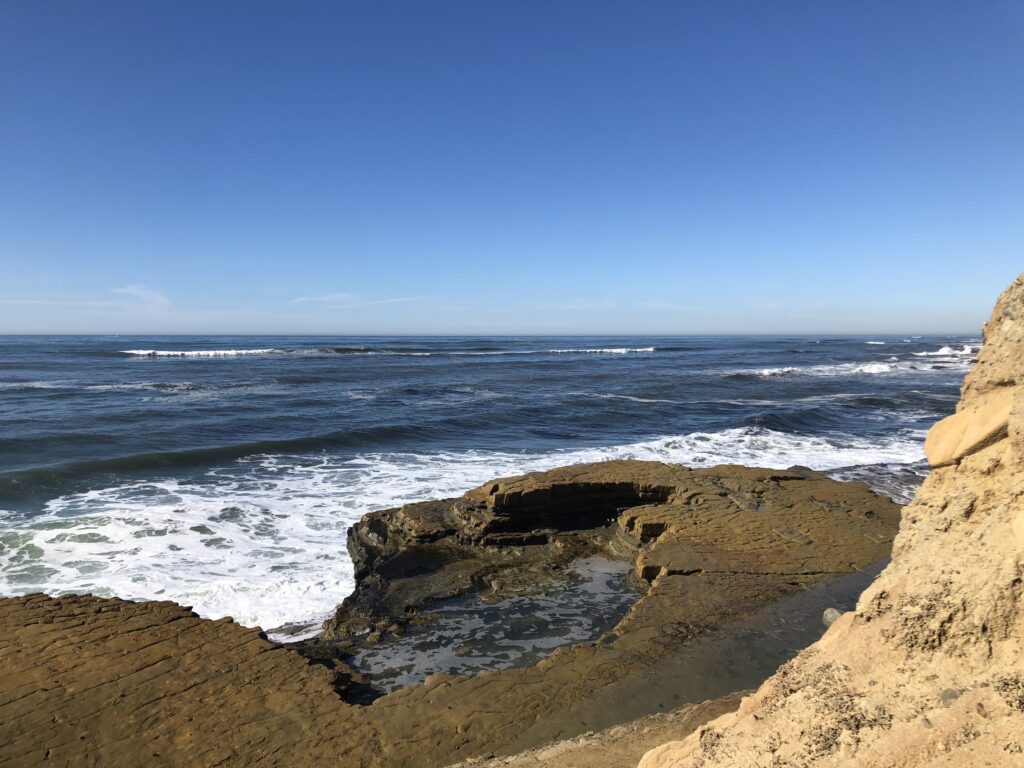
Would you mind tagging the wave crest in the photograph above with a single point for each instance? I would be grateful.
(201, 353)
(197, 352)
(968, 350)
(263, 539)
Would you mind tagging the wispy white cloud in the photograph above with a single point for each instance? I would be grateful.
(662, 305)
(71, 303)
(129, 308)
(134, 299)
(329, 298)
(149, 298)
(396, 300)
(351, 301)
(581, 305)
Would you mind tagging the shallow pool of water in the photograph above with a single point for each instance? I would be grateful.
(469, 634)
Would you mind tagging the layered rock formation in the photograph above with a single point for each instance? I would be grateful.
(717, 554)
(86, 681)
(929, 670)
(736, 533)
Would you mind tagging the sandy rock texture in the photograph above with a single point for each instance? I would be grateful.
(929, 670)
(87, 681)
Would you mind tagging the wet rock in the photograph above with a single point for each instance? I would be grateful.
(516, 535)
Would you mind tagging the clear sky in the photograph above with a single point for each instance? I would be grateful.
(526, 166)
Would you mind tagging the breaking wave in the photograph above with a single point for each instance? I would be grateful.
(263, 539)
(968, 350)
(200, 353)
(946, 363)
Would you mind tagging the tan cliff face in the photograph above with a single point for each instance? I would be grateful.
(929, 670)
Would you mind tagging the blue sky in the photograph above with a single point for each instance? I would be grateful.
(509, 167)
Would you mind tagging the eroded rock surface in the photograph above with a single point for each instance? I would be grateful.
(721, 524)
(929, 670)
(970, 429)
(87, 681)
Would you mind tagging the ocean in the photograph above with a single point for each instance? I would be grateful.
(223, 472)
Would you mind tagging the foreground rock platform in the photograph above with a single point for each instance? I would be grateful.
(929, 670)
(90, 681)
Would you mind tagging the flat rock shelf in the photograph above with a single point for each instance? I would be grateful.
(701, 582)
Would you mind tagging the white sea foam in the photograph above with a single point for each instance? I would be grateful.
(360, 394)
(840, 369)
(968, 350)
(71, 384)
(872, 368)
(264, 540)
(197, 352)
(606, 351)
(127, 386)
(611, 396)
(32, 384)
(892, 365)
(201, 353)
(498, 352)
(947, 358)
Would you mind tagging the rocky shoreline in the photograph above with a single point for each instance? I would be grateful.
(929, 669)
(754, 535)
(710, 552)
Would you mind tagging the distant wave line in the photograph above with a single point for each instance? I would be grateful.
(215, 353)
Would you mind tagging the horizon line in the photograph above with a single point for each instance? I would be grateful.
(850, 334)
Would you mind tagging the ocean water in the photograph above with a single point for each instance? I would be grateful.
(223, 472)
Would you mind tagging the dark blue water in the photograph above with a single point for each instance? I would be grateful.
(223, 471)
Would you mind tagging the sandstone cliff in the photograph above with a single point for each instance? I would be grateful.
(929, 669)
